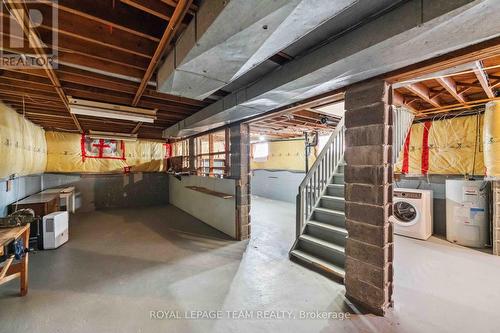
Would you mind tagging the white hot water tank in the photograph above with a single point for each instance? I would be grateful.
(467, 220)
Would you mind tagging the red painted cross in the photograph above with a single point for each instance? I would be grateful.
(101, 145)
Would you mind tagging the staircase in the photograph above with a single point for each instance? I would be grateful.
(321, 229)
(323, 239)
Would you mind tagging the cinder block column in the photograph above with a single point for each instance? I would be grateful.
(240, 171)
(368, 194)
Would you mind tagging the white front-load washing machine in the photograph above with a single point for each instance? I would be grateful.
(412, 213)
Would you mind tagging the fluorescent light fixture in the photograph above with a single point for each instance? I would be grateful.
(113, 111)
(112, 136)
(262, 138)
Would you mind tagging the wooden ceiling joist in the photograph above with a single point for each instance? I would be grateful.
(451, 87)
(174, 23)
(482, 77)
(115, 15)
(400, 100)
(90, 33)
(424, 93)
(18, 10)
(156, 8)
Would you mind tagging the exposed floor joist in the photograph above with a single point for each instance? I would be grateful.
(104, 52)
(19, 11)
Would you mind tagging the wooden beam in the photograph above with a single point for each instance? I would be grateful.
(451, 86)
(156, 8)
(114, 14)
(173, 3)
(483, 79)
(399, 99)
(18, 9)
(87, 31)
(136, 128)
(70, 44)
(177, 17)
(424, 93)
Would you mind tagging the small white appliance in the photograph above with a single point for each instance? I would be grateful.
(55, 230)
(467, 221)
(412, 213)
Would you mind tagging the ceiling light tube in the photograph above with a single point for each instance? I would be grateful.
(85, 111)
(112, 136)
(113, 111)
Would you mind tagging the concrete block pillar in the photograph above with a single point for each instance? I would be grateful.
(239, 136)
(368, 194)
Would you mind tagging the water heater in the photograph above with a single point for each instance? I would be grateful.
(467, 221)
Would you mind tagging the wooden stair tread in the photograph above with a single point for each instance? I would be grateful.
(329, 227)
(326, 244)
(323, 264)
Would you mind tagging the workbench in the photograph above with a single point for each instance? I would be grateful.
(10, 271)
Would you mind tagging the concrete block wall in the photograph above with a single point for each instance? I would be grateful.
(279, 185)
(217, 212)
(108, 191)
(368, 194)
(239, 136)
(21, 187)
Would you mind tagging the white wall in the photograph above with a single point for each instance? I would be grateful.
(215, 211)
(21, 188)
(280, 185)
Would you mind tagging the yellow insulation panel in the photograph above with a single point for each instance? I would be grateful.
(285, 155)
(64, 154)
(453, 147)
(22, 145)
(491, 140)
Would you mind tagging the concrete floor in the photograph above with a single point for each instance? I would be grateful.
(122, 264)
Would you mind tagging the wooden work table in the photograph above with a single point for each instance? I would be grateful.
(11, 271)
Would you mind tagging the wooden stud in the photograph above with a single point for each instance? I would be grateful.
(483, 79)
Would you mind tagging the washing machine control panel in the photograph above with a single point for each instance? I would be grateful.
(408, 195)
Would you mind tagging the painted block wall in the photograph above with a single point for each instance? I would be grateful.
(276, 184)
(215, 211)
(279, 177)
(95, 191)
(21, 188)
(114, 190)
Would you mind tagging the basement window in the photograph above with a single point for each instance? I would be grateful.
(212, 154)
(260, 152)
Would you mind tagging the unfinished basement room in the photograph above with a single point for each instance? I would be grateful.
(249, 166)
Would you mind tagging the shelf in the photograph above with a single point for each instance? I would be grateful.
(210, 192)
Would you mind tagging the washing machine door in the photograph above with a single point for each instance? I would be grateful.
(406, 213)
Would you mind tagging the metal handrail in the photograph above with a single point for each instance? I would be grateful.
(318, 177)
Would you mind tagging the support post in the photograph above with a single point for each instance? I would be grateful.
(368, 177)
(240, 171)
